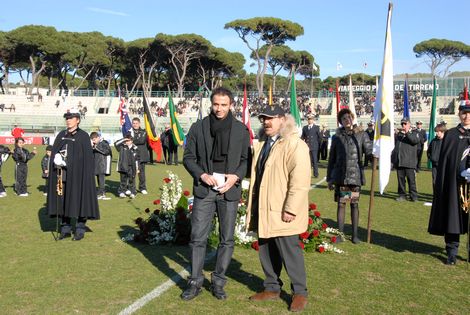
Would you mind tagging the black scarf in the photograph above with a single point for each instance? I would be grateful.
(220, 131)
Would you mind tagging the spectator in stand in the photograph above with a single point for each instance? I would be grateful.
(12, 108)
(2, 107)
(40, 97)
(17, 132)
(57, 103)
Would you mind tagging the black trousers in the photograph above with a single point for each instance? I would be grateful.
(2, 188)
(420, 155)
(173, 158)
(142, 184)
(283, 250)
(403, 175)
(127, 183)
(324, 150)
(101, 187)
(166, 154)
(314, 161)
(21, 175)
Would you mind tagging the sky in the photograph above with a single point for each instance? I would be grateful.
(349, 32)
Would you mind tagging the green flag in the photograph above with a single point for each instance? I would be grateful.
(432, 120)
(177, 131)
(294, 109)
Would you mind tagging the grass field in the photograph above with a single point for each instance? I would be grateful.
(400, 272)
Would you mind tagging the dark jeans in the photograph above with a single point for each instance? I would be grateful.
(166, 154)
(283, 250)
(201, 224)
(173, 156)
(403, 175)
(314, 161)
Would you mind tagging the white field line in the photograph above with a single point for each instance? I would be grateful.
(160, 289)
(319, 183)
(171, 282)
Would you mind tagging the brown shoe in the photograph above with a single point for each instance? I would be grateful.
(298, 303)
(265, 296)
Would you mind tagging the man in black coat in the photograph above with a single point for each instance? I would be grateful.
(165, 138)
(370, 133)
(75, 196)
(311, 135)
(448, 217)
(216, 156)
(422, 140)
(102, 157)
(404, 158)
(325, 136)
(140, 140)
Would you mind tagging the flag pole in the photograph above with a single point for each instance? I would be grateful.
(371, 198)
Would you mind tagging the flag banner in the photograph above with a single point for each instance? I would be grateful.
(150, 127)
(383, 111)
(246, 115)
(465, 92)
(294, 109)
(432, 119)
(124, 120)
(352, 106)
(177, 131)
(406, 110)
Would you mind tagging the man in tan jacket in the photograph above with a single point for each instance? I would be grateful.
(278, 204)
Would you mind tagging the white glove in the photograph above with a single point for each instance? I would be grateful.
(466, 174)
(59, 160)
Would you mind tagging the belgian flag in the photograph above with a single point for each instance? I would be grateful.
(150, 127)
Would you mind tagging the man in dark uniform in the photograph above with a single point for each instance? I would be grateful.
(140, 140)
(311, 135)
(75, 196)
(422, 140)
(102, 155)
(449, 215)
(370, 133)
(404, 158)
(325, 136)
(165, 138)
(216, 156)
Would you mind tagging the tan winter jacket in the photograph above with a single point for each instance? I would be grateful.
(285, 184)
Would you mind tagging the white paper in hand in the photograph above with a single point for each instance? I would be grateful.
(220, 179)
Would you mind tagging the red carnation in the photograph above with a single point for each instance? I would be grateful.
(255, 245)
(333, 239)
(321, 249)
(316, 233)
(186, 193)
(166, 180)
(324, 226)
(312, 206)
(304, 235)
(156, 202)
(310, 221)
(301, 244)
(317, 214)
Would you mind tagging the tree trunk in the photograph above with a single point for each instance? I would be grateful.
(35, 74)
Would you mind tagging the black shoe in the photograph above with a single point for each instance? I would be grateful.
(65, 231)
(413, 199)
(451, 260)
(79, 232)
(191, 291)
(218, 292)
